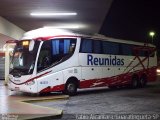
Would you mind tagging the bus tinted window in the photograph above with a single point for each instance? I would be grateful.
(86, 46)
(45, 56)
(110, 48)
(126, 49)
(145, 53)
(97, 46)
(54, 51)
(63, 46)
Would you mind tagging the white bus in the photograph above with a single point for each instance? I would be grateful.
(47, 60)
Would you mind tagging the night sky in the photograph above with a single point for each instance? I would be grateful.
(132, 20)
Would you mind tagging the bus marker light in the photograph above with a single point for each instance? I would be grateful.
(25, 43)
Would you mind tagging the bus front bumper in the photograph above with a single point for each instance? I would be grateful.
(30, 87)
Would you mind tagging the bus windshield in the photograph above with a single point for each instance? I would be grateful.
(23, 60)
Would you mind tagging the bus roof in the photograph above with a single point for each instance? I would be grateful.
(48, 33)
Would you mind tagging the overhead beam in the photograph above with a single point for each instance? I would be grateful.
(9, 29)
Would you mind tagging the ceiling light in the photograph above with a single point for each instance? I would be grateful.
(63, 27)
(53, 14)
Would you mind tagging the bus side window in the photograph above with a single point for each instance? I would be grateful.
(91, 46)
(110, 48)
(97, 48)
(152, 54)
(62, 48)
(56, 50)
(86, 46)
(127, 49)
(72, 47)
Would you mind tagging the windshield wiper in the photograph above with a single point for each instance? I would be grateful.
(19, 71)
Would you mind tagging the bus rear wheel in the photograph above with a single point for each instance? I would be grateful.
(143, 81)
(112, 87)
(134, 82)
(71, 88)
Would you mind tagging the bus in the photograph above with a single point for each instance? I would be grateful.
(53, 60)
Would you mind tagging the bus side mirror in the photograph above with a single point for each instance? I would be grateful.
(31, 45)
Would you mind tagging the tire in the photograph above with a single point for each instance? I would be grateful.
(134, 82)
(143, 81)
(44, 94)
(112, 87)
(71, 88)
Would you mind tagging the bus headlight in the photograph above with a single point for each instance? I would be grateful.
(30, 83)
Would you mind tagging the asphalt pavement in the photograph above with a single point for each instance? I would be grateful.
(106, 101)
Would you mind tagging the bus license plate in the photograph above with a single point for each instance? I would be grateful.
(17, 89)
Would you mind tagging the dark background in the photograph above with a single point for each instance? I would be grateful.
(133, 20)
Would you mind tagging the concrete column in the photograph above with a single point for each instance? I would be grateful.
(6, 64)
(12, 31)
(9, 48)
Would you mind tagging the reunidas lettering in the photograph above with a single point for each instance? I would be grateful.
(111, 60)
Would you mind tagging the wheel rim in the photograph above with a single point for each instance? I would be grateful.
(71, 88)
(142, 82)
(135, 83)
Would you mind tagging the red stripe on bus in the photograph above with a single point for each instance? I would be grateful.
(122, 79)
(50, 37)
(53, 89)
(31, 78)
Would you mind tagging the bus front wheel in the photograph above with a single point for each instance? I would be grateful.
(71, 88)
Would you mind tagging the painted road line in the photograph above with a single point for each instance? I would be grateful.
(21, 105)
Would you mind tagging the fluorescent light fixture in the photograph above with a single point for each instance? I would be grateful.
(63, 27)
(53, 14)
